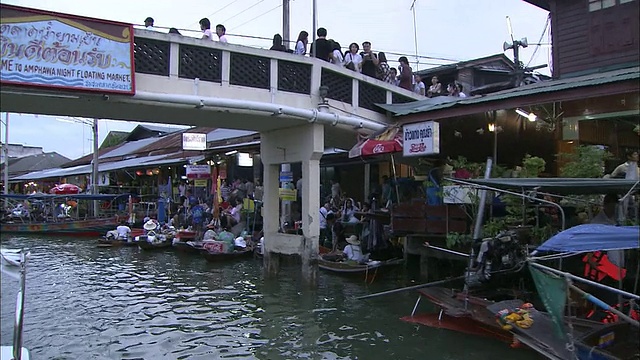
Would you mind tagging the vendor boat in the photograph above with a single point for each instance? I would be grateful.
(53, 214)
(228, 256)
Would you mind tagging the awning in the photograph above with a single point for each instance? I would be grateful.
(593, 237)
(386, 142)
(559, 186)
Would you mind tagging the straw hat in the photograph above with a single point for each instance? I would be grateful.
(150, 225)
(353, 240)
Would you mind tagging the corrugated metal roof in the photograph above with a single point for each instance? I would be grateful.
(57, 172)
(129, 148)
(444, 102)
(224, 134)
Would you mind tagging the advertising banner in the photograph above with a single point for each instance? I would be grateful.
(194, 141)
(198, 172)
(52, 50)
(421, 139)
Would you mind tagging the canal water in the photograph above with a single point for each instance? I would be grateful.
(85, 302)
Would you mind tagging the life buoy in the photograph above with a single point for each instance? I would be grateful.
(598, 266)
(608, 317)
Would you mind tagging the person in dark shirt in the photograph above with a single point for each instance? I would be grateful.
(277, 43)
(322, 48)
(369, 60)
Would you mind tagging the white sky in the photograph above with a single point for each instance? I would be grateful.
(446, 29)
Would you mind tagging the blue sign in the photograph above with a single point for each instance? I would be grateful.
(286, 176)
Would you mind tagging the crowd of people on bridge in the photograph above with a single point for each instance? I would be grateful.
(366, 62)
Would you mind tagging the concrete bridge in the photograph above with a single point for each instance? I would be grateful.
(300, 105)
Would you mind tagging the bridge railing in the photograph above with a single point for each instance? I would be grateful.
(189, 58)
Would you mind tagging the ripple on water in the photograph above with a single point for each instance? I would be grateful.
(85, 302)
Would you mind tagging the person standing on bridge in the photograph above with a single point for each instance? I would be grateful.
(205, 26)
(301, 43)
(221, 31)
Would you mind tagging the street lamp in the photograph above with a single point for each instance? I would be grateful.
(495, 129)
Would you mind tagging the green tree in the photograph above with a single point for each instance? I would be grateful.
(586, 162)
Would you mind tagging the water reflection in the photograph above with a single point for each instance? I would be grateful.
(85, 302)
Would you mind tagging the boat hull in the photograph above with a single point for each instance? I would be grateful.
(347, 268)
(92, 227)
(145, 245)
(221, 257)
(184, 247)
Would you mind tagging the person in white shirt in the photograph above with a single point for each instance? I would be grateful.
(336, 54)
(622, 171)
(353, 252)
(419, 87)
(205, 26)
(353, 60)
(123, 231)
(301, 43)
(221, 32)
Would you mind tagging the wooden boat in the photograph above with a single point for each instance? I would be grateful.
(188, 247)
(103, 242)
(145, 245)
(221, 257)
(344, 267)
(45, 216)
(368, 271)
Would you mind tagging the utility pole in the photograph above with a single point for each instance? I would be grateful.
(94, 169)
(315, 27)
(286, 24)
(5, 149)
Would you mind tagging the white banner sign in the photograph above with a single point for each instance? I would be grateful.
(63, 51)
(421, 139)
(194, 141)
(198, 171)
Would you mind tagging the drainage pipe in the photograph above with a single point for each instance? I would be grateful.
(311, 115)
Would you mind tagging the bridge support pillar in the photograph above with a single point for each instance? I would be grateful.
(305, 145)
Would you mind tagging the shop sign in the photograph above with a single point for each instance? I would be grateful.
(198, 171)
(194, 141)
(287, 194)
(421, 139)
(286, 176)
(200, 183)
(53, 50)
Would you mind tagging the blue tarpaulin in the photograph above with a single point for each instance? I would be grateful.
(593, 237)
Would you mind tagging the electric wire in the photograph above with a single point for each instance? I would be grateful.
(242, 12)
(215, 12)
(546, 26)
(264, 13)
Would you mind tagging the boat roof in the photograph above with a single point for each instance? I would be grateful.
(58, 196)
(593, 237)
(560, 186)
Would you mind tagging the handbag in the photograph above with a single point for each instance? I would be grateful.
(350, 65)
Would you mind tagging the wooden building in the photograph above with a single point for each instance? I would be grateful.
(593, 97)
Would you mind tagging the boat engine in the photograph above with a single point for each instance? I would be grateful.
(500, 253)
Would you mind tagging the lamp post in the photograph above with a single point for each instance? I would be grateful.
(94, 166)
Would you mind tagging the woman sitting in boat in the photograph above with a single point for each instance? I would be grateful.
(353, 251)
(349, 212)
(228, 238)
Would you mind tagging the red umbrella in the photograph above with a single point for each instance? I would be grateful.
(388, 141)
(64, 189)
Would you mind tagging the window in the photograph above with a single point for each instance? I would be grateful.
(595, 5)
